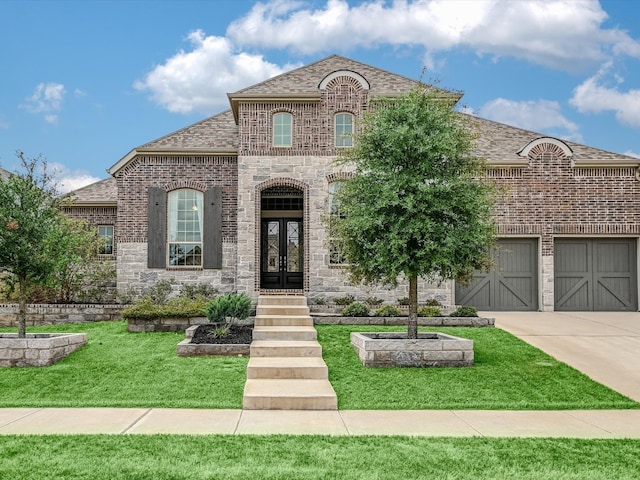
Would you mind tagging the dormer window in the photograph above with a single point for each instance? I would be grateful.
(344, 130)
(282, 128)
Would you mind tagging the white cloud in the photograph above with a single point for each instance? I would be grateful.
(47, 98)
(69, 180)
(198, 80)
(632, 154)
(595, 96)
(539, 115)
(564, 34)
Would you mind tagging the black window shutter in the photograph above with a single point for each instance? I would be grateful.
(157, 228)
(212, 239)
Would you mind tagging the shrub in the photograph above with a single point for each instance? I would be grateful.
(388, 311)
(159, 292)
(346, 300)
(373, 301)
(403, 301)
(228, 308)
(355, 309)
(429, 311)
(203, 290)
(465, 311)
(319, 301)
(432, 302)
(146, 308)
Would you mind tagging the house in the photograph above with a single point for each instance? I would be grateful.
(237, 201)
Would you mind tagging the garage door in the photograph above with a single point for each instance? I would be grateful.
(595, 274)
(512, 285)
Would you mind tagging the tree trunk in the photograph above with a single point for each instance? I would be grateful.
(22, 310)
(412, 324)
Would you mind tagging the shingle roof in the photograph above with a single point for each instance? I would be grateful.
(219, 132)
(498, 142)
(99, 193)
(307, 78)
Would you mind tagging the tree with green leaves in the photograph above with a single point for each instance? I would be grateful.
(31, 226)
(418, 205)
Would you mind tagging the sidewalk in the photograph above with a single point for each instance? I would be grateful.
(432, 423)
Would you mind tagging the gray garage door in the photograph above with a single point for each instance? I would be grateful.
(595, 274)
(512, 285)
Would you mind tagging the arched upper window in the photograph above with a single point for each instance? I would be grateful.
(282, 129)
(344, 130)
(185, 225)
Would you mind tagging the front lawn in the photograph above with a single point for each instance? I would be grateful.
(121, 369)
(314, 457)
(507, 374)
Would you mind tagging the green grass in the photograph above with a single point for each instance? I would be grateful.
(122, 369)
(507, 374)
(280, 457)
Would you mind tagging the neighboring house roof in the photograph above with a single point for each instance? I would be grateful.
(102, 193)
(4, 174)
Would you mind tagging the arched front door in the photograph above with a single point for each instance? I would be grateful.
(281, 239)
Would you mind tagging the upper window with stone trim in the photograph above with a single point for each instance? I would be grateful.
(282, 129)
(185, 224)
(344, 129)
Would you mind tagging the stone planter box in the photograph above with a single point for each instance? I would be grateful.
(188, 349)
(402, 321)
(39, 349)
(393, 349)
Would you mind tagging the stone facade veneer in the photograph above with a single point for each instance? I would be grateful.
(38, 350)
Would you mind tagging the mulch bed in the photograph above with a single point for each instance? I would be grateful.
(238, 334)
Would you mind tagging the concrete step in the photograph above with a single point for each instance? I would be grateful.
(293, 310)
(289, 394)
(286, 348)
(283, 320)
(310, 368)
(285, 333)
(282, 300)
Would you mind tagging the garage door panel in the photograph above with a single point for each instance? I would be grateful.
(477, 293)
(595, 274)
(570, 293)
(514, 293)
(512, 285)
(613, 294)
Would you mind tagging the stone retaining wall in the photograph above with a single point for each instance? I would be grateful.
(53, 314)
(402, 321)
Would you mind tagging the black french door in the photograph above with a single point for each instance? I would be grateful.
(281, 257)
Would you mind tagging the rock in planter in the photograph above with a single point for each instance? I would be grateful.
(394, 349)
(38, 349)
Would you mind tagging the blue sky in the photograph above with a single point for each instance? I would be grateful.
(85, 82)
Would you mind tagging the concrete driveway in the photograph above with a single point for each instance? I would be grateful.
(603, 345)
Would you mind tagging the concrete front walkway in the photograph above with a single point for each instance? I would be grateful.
(433, 423)
(603, 345)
